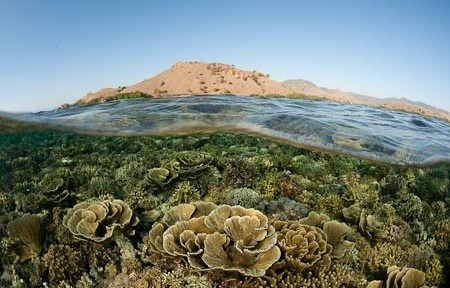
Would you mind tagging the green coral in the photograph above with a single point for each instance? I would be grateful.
(244, 197)
(184, 192)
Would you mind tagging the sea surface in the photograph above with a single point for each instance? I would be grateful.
(224, 191)
(376, 134)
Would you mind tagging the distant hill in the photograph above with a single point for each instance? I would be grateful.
(403, 104)
(199, 78)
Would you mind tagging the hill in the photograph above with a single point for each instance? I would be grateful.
(402, 104)
(199, 78)
(188, 78)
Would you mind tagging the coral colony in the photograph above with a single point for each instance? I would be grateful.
(215, 210)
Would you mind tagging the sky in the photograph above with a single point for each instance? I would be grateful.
(54, 52)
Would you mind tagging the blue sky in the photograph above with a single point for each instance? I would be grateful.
(54, 52)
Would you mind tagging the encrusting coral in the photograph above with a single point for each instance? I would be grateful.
(97, 221)
(29, 230)
(229, 238)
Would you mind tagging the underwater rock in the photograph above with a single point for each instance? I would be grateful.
(229, 238)
(29, 230)
(283, 209)
(97, 221)
(244, 197)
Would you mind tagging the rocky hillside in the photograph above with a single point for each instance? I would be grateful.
(309, 88)
(197, 78)
(187, 78)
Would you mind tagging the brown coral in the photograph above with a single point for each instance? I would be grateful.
(401, 278)
(336, 232)
(29, 230)
(182, 212)
(405, 277)
(303, 246)
(227, 238)
(244, 241)
(97, 221)
(188, 164)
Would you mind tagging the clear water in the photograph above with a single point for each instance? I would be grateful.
(376, 134)
(52, 161)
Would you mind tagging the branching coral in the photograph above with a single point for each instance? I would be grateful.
(64, 263)
(339, 275)
(184, 192)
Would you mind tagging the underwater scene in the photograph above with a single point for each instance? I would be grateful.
(209, 191)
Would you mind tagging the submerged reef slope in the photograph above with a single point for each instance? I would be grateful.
(214, 210)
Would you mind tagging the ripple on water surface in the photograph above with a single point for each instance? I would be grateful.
(376, 134)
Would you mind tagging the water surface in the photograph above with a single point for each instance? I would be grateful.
(376, 134)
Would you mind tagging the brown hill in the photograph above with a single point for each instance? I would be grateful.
(197, 78)
(309, 88)
(188, 78)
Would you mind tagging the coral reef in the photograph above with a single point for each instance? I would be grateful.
(366, 217)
